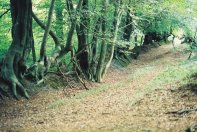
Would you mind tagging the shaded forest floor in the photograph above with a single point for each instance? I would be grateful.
(141, 97)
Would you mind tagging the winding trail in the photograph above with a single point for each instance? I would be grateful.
(130, 99)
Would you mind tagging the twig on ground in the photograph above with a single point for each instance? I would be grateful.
(40, 82)
(53, 72)
(64, 75)
(190, 54)
(183, 111)
(80, 79)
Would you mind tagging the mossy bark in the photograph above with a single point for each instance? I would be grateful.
(82, 34)
(21, 13)
(93, 50)
(101, 62)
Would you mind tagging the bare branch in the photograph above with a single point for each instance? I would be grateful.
(51, 33)
(4, 13)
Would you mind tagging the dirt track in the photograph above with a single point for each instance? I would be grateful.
(130, 99)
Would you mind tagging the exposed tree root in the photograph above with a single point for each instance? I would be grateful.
(192, 128)
(14, 84)
(9, 79)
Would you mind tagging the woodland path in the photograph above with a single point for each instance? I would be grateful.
(136, 98)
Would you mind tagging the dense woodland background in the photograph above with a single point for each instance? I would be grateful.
(84, 37)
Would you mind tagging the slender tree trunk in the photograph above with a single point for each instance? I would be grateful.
(68, 46)
(48, 27)
(51, 33)
(101, 63)
(33, 51)
(93, 50)
(116, 23)
(82, 35)
(70, 9)
(59, 18)
(58, 53)
(12, 68)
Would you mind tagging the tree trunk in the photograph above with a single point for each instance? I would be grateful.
(33, 51)
(93, 49)
(68, 47)
(82, 34)
(116, 23)
(43, 45)
(129, 27)
(101, 63)
(51, 33)
(39, 69)
(12, 68)
(59, 19)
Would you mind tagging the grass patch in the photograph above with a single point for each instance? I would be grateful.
(171, 74)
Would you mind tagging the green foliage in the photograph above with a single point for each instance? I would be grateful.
(4, 4)
(157, 16)
(163, 16)
(5, 28)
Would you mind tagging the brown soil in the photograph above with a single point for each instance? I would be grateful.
(121, 103)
